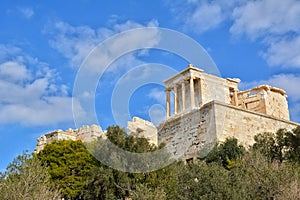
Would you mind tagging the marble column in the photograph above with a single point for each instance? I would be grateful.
(192, 92)
(183, 95)
(236, 101)
(200, 92)
(175, 100)
(168, 103)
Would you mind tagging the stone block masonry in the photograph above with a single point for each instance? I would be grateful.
(85, 134)
(142, 128)
(188, 133)
(244, 124)
(208, 109)
(195, 132)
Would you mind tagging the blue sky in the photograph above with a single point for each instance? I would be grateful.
(43, 44)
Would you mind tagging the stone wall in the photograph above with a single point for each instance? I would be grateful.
(232, 121)
(142, 128)
(89, 133)
(186, 133)
(85, 134)
(276, 105)
(266, 100)
(194, 133)
(52, 136)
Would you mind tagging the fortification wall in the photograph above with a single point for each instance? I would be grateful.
(276, 105)
(142, 128)
(194, 133)
(186, 133)
(244, 124)
(85, 134)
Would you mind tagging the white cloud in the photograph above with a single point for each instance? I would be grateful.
(75, 43)
(276, 24)
(283, 52)
(265, 17)
(32, 96)
(26, 12)
(201, 16)
(158, 95)
(205, 17)
(13, 71)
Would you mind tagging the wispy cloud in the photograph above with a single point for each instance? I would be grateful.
(274, 24)
(26, 12)
(283, 51)
(158, 95)
(76, 42)
(201, 16)
(31, 95)
(266, 17)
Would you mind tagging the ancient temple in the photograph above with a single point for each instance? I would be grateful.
(203, 109)
(193, 88)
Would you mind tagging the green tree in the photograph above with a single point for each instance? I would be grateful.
(226, 153)
(100, 184)
(69, 165)
(145, 193)
(119, 184)
(271, 145)
(26, 178)
(293, 145)
(283, 145)
(265, 179)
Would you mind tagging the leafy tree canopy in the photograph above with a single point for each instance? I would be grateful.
(69, 164)
(26, 178)
(226, 153)
(280, 146)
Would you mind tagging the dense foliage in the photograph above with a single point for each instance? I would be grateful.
(280, 146)
(226, 153)
(268, 170)
(69, 164)
(26, 178)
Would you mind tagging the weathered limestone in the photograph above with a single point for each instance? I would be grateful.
(85, 134)
(142, 128)
(211, 109)
(138, 128)
(244, 124)
(265, 99)
(187, 133)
